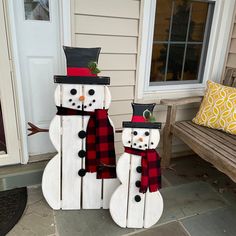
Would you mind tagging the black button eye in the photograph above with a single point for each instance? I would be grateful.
(73, 91)
(91, 92)
(147, 133)
(135, 132)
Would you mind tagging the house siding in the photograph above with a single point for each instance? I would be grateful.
(231, 60)
(114, 26)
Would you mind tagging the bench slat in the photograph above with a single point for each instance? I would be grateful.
(220, 136)
(206, 152)
(204, 140)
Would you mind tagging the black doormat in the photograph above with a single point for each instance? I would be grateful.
(12, 206)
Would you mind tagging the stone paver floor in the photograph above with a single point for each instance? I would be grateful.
(198, 201)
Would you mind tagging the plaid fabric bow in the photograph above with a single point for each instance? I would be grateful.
(151, 171)
(100, 149)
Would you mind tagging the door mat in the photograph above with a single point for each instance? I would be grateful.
(12, 206)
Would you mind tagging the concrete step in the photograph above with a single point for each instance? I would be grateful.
(17, 176)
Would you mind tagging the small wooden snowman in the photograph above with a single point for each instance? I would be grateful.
(137, 203)
(82, 175)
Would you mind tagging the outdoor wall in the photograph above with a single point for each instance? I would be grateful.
(231, 61)
(114, 26)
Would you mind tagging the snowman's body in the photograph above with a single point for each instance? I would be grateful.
(125, 210)
(62, 185)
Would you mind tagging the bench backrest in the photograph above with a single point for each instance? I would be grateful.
(230, 77)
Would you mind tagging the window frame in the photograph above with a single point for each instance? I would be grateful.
(221, 28)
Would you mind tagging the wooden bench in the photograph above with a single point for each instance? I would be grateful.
(216, 147)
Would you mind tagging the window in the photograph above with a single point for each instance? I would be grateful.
(183, 44)
(180, 41)
(37, 10)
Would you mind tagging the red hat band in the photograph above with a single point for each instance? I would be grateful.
(79, 71)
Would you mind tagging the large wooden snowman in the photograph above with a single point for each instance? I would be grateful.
(82, 175)
(137, 203)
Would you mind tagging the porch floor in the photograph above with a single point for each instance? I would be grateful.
(198, 200)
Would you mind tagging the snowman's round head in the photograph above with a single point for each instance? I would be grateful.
(140, 138)
(83, 97)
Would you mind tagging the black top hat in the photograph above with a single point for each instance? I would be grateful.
(81, 67)
(141, 117)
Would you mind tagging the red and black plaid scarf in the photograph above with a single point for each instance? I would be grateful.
(151, 171)
(100, 149)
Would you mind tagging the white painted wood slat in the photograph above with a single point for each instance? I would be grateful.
(51, 183)
(114, 8)
(105, 25)
(92, 187)
(135, 209)
(51, 180)
(71, 163)
(119, 199)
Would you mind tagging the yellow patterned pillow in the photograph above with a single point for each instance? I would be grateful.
(218, 108)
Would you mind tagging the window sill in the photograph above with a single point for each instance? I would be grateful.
(169, 93)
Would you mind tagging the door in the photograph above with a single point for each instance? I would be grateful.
(9, 143)
(40, 57)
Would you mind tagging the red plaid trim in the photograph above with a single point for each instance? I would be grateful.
(151, 171)
(100, 148)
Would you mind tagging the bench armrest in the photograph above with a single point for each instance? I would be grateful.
(181, 101)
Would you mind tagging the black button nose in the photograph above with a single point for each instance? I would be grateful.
(138, 183)
(137, 198)
(82, 134)
(82, 172)
(81, 153)
(139, 169)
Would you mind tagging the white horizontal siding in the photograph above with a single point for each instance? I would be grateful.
(117, 62)
(106, 25)
(114, 8)
(108, 43)
(121, 78)
(231, 61)
(122, 93)
(120, 107)
(114, 26)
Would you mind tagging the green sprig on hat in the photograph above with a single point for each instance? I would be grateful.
(149, 117)
(92, 65)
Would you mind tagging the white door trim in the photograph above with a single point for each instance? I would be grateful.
(65, 23)
(18, 84)
(8, 105)
(65, 12)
